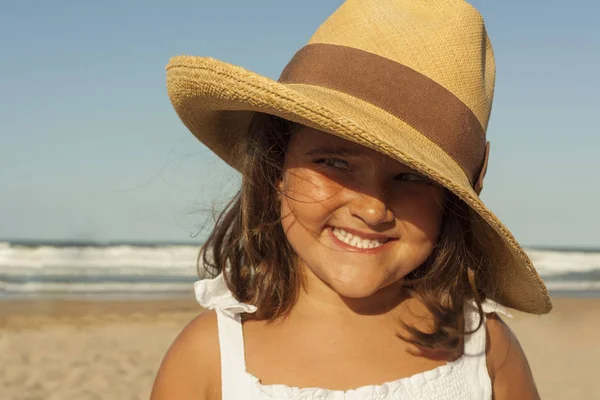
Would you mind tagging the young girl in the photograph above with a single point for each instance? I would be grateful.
(357, 260)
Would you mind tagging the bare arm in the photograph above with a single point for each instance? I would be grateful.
(191, 367)
(507, 364)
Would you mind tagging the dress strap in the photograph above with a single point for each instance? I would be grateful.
(233, 363)
(474, 357)
(214, 294)
(475, 343)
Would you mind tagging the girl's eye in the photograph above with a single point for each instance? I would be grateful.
(333, 163)
(412, 177)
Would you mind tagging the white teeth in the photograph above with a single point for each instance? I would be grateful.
(356, 241)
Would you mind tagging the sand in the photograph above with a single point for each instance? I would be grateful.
(86, 350)
(111, 350)
(563, 348)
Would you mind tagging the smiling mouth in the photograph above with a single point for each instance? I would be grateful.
(357, 241)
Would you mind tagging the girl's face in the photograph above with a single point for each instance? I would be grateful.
(358, 220)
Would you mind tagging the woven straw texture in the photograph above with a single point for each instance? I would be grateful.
(444, 40)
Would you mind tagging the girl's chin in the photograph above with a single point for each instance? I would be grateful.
(357, 288)
(355, 293)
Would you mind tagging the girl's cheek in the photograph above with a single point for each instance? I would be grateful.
(421, 207)
(323, 188)
(311, 186)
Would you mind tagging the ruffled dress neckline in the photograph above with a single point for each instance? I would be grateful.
(214, 294)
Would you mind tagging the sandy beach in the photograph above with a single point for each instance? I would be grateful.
(112, 349)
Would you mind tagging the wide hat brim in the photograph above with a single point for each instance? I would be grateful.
(216, 101)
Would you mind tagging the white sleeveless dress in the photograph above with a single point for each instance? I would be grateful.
(464, 378)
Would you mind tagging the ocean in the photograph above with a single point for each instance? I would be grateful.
(147, 271)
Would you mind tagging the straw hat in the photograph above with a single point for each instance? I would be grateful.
(412, 79)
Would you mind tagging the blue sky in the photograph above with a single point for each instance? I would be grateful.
(90, 148)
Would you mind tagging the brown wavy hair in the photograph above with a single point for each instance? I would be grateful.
(248, 245)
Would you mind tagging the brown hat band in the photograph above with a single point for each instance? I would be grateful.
(405, 93)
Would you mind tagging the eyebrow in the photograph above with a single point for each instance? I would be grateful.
(335, 151)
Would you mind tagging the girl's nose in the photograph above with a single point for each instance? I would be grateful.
(372, 210)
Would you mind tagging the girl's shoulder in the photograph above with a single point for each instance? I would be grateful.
(190, 368)
(506, 362)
